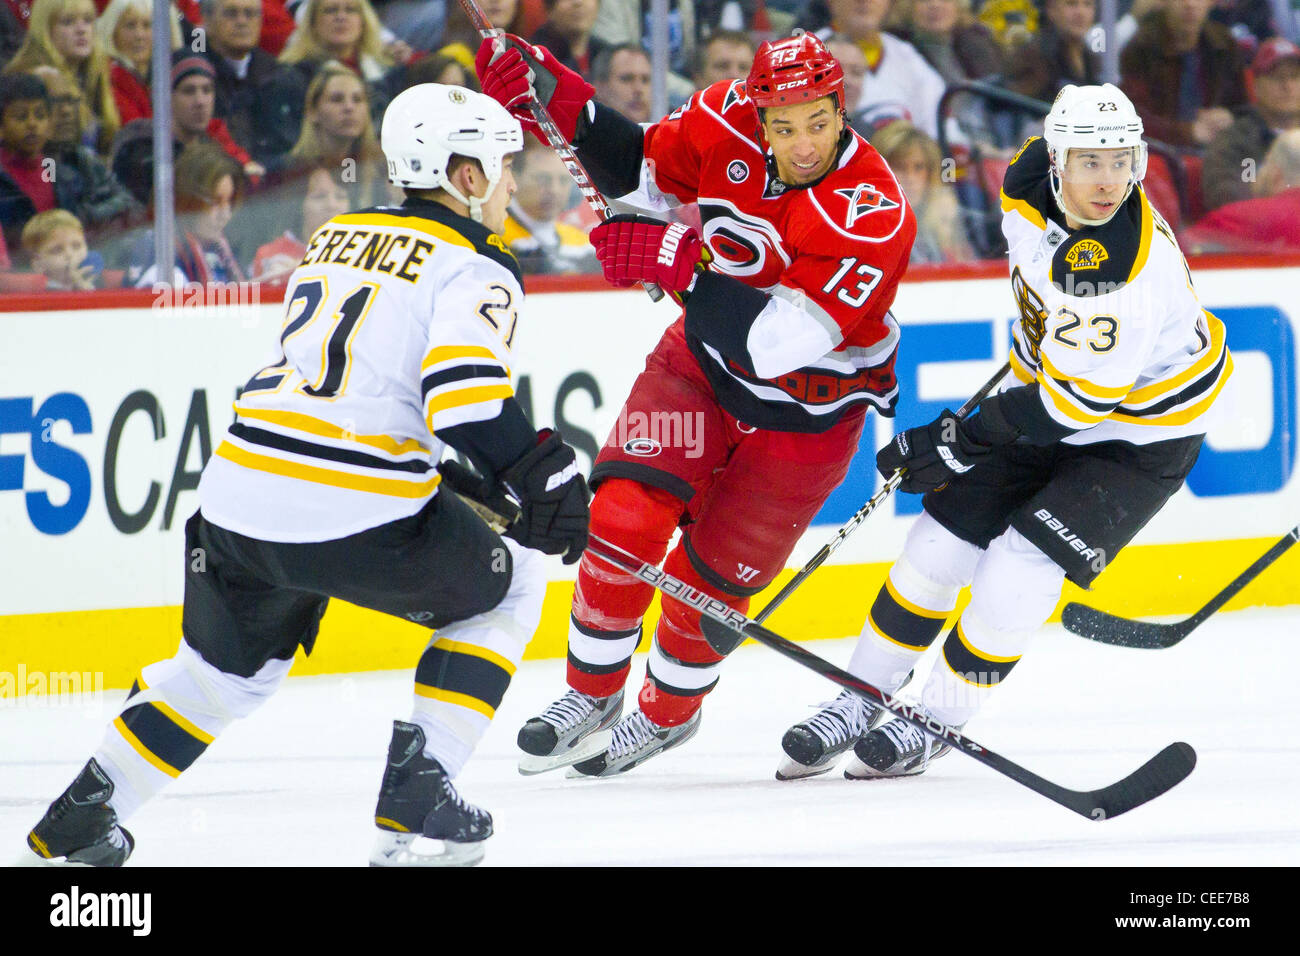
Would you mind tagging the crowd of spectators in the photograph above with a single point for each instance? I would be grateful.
(276, 105)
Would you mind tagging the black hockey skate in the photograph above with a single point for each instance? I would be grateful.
(895, 749)
(573, 728)
(814, 746)
(635, 740)
(422, 820)
(80, 827)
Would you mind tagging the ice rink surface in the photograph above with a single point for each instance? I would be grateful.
(295, 784)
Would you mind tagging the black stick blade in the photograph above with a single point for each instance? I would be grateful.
(1106, 628)
(721, 638)
(1161, 773)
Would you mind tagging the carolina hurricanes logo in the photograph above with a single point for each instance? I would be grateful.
(864, 198)
(735, 95)
(743, 246)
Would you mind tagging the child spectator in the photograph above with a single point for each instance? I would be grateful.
(56, 245)
(209, 185)
(915, 161)
(61, 34)
(32, 180)
(125, 29)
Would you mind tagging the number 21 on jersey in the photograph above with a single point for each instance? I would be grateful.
(305, 303)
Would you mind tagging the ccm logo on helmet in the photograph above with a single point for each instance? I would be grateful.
(793, 84)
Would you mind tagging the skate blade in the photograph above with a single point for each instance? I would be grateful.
(411, 849)
(613, 770)
(793, 770)
(589, 746)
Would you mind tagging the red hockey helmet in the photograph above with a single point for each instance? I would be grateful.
(794, 70)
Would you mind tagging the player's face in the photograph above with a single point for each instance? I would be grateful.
(494, 207)
(803, 137)
(1094, 181)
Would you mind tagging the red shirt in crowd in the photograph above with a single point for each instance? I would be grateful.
(29, 174)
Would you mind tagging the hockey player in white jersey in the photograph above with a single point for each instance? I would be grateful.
(1116, 365)
(396, 340)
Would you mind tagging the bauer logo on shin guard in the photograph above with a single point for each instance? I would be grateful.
(1065, 534)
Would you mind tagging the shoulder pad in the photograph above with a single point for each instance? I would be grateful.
(861, 200)
(728, 98)
(1100, 259)
(1027, 181)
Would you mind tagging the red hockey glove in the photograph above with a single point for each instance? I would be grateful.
(515, 72)
(636, 249)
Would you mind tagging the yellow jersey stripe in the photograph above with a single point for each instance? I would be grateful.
(1024, 208)
(916, 609)
(317, 426)
(467, 396)
(1067, 407)
(460, 700)
(1185, 415)
(409, 223)
(445, 353)
(144, 751)
(327, 476)
(198, 733)
(1101, 393)
(1019, 370)
(1210, 359)
(474, 650)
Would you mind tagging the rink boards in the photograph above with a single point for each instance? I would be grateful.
(107, 415)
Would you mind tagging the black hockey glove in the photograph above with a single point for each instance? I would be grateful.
(931, 455)
(552, 496)
(488, 499)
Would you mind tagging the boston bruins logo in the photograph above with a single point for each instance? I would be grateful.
(1086, 254)
(1033, 317)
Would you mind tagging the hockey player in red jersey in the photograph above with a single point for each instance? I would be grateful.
(784, 342)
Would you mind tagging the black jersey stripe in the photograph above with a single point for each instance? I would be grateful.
(1092, 404)
(459, 373)
(1189, 393)
(343, 456)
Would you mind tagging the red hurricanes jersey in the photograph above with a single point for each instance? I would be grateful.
(835, 250)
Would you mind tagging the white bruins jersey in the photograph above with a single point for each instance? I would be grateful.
(1110, 328)
(398, 322)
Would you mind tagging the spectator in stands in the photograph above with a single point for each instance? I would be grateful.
(1250, 22)
(621, 76)
(947, 34)
(320, 194)
(851, 60)
(539, 241)
(337, 131)
(438, 68)
(460, 40)
(1184, 74)
(567, 33)
(628, 21)
(13, 27)
(899, 83)
(242, 69)
(1268, 222)
(125, 29)
(208, 188)
(726, 55)
(1058, 54)
(55, 244)
(62, 34)
(1012, 22)
(1127, 26)
(1231, 157)
(914, 159)
(193, 104)
(420, 23)
(745, 16)
(32, 176)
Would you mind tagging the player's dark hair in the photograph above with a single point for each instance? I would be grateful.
(739, 37)
(20, 87)
(603, 64)
(454, 163)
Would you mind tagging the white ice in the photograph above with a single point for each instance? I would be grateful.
(295, 783)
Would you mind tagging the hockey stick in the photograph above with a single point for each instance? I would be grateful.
(833, 544)
(1110, 629)
(1149, 781)
(554, 138)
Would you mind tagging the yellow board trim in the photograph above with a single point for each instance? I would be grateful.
(451, 697)
(474, 650)
(1142, 581)
(144, 751)
(916, 609)
(326, 476)
(410, 223)
(316, 426)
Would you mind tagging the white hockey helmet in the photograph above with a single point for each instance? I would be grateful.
(1093, 117)
(426, 125)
